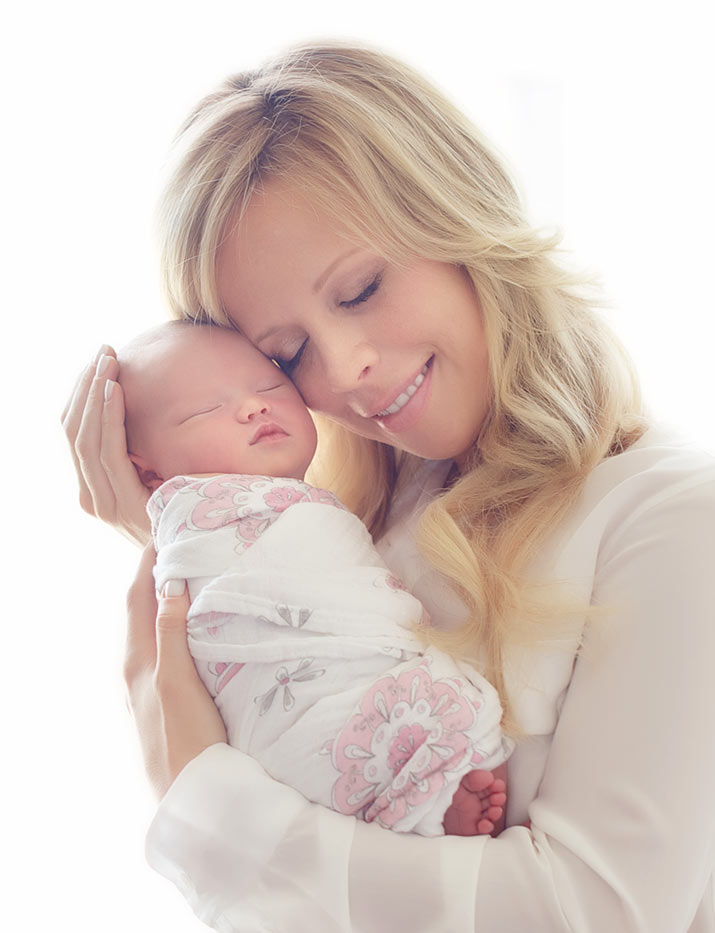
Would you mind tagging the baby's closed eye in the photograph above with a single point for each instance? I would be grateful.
(202, 411)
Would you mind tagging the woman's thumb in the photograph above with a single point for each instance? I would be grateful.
(172, 650)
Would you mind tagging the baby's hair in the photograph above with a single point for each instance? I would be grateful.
(378, 149)
(156, 334)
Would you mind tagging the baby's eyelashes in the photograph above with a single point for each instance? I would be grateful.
(278, 385)
(202, 411)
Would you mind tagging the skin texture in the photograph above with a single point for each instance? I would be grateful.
(354, 330)
(203, 400)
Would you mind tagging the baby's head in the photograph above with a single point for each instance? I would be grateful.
(201, 399)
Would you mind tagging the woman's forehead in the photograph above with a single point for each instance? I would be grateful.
(284, 241)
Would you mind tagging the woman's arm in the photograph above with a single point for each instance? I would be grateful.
(174, 713)
(623, 828)
(109, 486)
(249, 853)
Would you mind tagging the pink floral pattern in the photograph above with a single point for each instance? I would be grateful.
(326, 498)
(251, 503)
(281, 497)
(221, 502)
(162, 496)
(393, 753)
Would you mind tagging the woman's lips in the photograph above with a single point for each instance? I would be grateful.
(407, 407)
(402, 397)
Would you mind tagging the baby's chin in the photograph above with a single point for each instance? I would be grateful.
(298, 474)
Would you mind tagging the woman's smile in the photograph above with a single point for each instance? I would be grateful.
(384, 349)
(405, 394)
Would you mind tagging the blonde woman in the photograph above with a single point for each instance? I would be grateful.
(479, 417)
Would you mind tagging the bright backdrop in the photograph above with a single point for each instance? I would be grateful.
(605, 111)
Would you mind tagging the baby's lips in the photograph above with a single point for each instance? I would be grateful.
(266, 429)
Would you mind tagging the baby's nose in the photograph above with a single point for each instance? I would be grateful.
(252, 407)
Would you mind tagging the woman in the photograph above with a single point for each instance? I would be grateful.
(357, 229)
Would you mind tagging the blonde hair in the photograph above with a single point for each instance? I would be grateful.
(379, 148)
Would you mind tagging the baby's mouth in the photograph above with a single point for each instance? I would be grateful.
(267, 431)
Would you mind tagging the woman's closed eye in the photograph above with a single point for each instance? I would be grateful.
(289, 365)
(366, 293)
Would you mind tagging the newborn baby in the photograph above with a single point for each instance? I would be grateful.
(299, 631)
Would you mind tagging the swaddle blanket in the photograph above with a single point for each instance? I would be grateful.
(307, 644)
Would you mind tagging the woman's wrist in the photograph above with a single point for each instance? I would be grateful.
(174, 713)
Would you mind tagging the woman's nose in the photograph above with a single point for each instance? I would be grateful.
(348, 365)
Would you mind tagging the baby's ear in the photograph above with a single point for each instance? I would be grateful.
(148, 477)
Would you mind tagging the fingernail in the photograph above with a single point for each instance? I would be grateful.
(173, 588)
(103, 351)
(108, 389)
(102, 364)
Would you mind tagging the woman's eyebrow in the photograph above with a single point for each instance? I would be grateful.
(317, 285)
(320, 281)
(266, 333)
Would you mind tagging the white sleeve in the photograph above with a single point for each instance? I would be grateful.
(624, 821)
(252, 855)
(623, 827)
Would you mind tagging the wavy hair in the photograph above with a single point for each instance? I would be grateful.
(380, 149)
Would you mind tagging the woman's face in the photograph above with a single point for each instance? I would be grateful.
(394, 353)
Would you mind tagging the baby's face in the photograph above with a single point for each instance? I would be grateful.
(204, 400)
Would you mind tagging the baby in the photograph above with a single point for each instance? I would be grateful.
(301, 634)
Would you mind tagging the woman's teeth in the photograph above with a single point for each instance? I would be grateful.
(404, 397)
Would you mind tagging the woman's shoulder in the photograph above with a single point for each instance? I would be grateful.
(662, 477)
(660, 465)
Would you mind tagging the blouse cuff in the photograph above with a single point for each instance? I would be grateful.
(231, 838)
(401, 881)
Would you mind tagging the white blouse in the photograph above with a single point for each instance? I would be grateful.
(616, 770)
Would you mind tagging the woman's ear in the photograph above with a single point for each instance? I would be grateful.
(149, 478)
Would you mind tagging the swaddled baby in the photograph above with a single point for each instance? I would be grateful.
(299, 631)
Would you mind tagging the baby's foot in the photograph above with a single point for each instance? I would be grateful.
(477, 807)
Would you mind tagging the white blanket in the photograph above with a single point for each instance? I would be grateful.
(307, 643)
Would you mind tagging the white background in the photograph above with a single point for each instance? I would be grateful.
(605, 111)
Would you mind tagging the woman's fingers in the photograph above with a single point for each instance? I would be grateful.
(75, 403)
(78, 395)
(109, 486)
(141, 628)
(129, 493)
(89, 440)
(173, 663)
(71, 422)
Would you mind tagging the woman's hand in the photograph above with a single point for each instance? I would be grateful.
(109, 486)
(174, 713)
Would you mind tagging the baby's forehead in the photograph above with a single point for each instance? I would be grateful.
(175, 339)
(191, 356)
